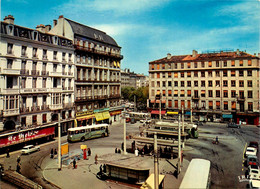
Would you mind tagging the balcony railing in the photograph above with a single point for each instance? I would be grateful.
(64, 73)
(35, 108)
(10, 91)
(11, 112)
(68, 105)
(56, 74)
(9, 71)
(24, 72)
(44, 57)
(45, 73)
(24, 109)
(35, 72)
(56, 106)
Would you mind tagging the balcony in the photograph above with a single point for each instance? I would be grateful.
(45, 73)
(35, 108)
(11, 112)
(195, 97)
(10, 71)
(68, 105)
(115, 96)
(64, 73)
(44, 57)
(35, 72)
(56, 106)
(55, 90)
(70, 73)
(10, 91)
(56, 74)
(45, 107)
(33, 90)
(70, 88)
(24, 110)
(24, 72)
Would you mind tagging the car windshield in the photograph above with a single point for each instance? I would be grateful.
(255, 171)
(250, 150)
(252, 159)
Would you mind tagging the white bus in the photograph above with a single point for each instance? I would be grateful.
(197, 174)
(87, 132)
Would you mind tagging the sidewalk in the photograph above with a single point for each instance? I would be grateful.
(84, 176)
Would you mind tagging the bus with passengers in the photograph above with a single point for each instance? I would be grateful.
(197, 175)
(88, 132)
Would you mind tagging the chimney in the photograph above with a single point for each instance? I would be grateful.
(238, 53)
(47, 28)
(41, 28)
(9, 19)
(169, 56)
(61, 16)
(54, 23)
(194, 53)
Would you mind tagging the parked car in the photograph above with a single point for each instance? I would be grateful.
(253, 172)
(233, 125)
(252, 160)
(253, 144)
(250, 151)
(254, 183)
(29, 149)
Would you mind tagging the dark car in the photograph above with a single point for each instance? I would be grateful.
(233, 125)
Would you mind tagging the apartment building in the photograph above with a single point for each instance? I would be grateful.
(216, 86)
(131, 79)
(36, 78)
(97, 79)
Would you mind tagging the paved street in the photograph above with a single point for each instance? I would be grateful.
(226, 158)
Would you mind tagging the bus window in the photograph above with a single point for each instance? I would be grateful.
(76, 132)
(82, 131)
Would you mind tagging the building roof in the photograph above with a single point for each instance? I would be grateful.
(92, 33)
(205, 57)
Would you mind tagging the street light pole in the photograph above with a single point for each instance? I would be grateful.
(156, 169)
(179, 144)
(124, 131)
(160, 109)
(182, 114)
(59, 143)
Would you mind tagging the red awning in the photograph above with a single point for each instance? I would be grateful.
(158, 112)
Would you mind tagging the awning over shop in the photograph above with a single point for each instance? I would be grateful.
(99, 116)
(85, 117)
(187, 113)
(106, 115)
(115, 112)
(172, 113)
(158, 112)
(227, 116)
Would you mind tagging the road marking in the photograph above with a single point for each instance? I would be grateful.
(244, 149)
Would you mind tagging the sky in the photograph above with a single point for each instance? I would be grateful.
(149, 29)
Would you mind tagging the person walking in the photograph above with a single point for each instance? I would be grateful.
(18, 159)
(74, 163)
(18, 168)
(7, 153)
(51, 153)
(55, 153)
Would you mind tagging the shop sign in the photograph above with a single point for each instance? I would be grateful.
(115, 113)
(78, 114)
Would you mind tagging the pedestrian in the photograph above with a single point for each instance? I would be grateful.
(7, 153)
(55, 153)
(116, 150)
(216, 139)
(89, 151)
(18, 168)
(100, 169)
(74, 163)
(52, 153)
(104, 168)
(122, 146)
(96, 159)
(18, 159)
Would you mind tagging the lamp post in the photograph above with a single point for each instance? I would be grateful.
(59, 143)
(124, 131)
(179, 145)
(156, 169)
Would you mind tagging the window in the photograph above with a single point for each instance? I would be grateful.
(44, 118)
(202, 74)
(55, 55)
(182, 65)
(210, 93)
(241, 83)
(250, 94)
(210, 105)
(175, 83)
(175, 92)
(9, 48)
(240, 62)
(225, 73)
(182, 83)
(163, 75)
(233, 83)
(163, 92)
(23, 53)
(164, 84)
(176, 104)
(55, 82)
(233, 105)
(203, 93)
(209, 64)
(210, 73)
(169, 66)
(225, 83)
(23, 83)
(249, 62)
(169, 103)
(195, 64)
(188, 64)
(217, 63)
(44, 54)
(182, 74)
(233, 73)
(196, 83)
(175, 65)
(169, 83)
(189, 93)
(217, 105)
(183, 103)
(169, 74)
(250, 106)
(158, 75)
(232, 63)
(249, 72)
(163, 66)
(158, 83)
(225, 105)
(169, 92)
(9, 82)
(217, 74)
(55, 67)
(188, 74)
(9, 63)
(34, 81)
(241, 94)
(34, 52)
(225, 63)
(195, 74)
(64, 56)
(210, 83)
(217, 83)
(189, 83)
(241, 73)
(233, 94)
(44, 83)
(202, 83)
(158, 66)
(249, 83)
(175, 74)
(182, 93)
(217, 93)
(202, 64)
(70, 56)
(225, 93)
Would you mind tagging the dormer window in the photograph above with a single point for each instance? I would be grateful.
(35, 35)
(10, 29)
(55, 40)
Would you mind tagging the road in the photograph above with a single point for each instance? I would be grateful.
(226, 158)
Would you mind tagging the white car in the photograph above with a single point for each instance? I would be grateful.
(254, 183)
(250, 151)
(29, 149)
(253, 172)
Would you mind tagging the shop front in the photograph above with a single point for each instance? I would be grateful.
(155, 114)
(115, 115)
(246, 118)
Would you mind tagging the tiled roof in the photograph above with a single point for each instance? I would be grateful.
(89, 32)
(205, 57)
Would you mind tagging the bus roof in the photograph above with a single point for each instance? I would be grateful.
(88, 127)
(197, 174)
